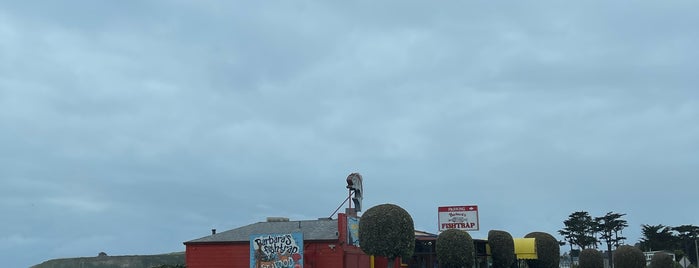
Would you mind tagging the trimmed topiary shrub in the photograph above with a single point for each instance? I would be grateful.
(455, 249)
(547, 250)
(662, 260)
(629, 257)
(591, 258)
(387, 230)
(502, 248)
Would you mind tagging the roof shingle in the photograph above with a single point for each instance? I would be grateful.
(322, 229)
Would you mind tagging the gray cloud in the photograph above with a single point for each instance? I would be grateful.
(130, 128)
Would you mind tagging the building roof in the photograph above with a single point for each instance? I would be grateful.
(321, 229)
(422, 235)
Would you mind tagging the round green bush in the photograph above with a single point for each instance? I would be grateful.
(387, 230)
(662, 260)
(547, 250)
(502, 248)
(629, 257)
(591, 258)
(455, 249)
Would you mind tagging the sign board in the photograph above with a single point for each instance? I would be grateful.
(276, 250)
(458, 217)
(353, 231)
(684, 262)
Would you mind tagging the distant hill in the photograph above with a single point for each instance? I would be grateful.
(104, 261)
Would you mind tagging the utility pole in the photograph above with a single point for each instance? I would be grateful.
(696, 250)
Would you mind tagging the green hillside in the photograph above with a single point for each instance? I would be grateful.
(103, 261)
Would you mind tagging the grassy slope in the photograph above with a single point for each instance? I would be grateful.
(137, 261)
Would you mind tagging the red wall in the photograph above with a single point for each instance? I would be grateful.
(317, 254)
(357, 260)
(217, 255)
(322, 254)
(380, 262)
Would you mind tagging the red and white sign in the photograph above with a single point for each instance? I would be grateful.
(458, 217)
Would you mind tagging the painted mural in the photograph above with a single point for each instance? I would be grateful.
(276, 250)
(353, 231)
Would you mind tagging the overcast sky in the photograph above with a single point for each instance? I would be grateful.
(129, 127)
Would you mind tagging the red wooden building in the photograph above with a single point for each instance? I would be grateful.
(321, 243)
(326, 244)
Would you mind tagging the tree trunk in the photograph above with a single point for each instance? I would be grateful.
(610, 255)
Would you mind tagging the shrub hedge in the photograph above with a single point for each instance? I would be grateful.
(387, 230)
(455, 249)
(629, 257)
(591, 258)
(547, 249)
(502, 248)
(662, 260)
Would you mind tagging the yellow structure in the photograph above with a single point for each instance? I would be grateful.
(525, 248)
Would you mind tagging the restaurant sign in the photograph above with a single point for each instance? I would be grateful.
(458, 217)
(276, 250)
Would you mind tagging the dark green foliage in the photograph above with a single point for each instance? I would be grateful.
(104, 261)
(679, 239)
(686, 235)
(629, 257)
(609, 226)
(547, 251)
(502, 248)
(387, 230)
(579, 230)
(679, 254)
(657, 237)
(591, 258)
(661, 260)
(455, 249)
